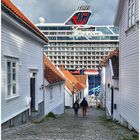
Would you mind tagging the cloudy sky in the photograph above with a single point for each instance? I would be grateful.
(57, 11)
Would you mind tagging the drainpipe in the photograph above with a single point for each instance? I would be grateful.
(64, 96)
(43, 84)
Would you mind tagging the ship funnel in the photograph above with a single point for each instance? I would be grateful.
(80, 16)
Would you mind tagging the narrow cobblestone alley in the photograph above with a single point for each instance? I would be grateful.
(69, 127)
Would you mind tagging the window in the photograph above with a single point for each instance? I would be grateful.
(11, 78)
(131, 13)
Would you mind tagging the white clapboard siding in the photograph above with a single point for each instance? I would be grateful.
(137, 10)
(68, 98)
(108, 73)
(108, 79)
(56, 104)
(129, 69)
(28, 51)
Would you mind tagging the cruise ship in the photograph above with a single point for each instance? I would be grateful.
(76, 45)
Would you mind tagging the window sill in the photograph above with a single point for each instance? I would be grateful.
(130, 28)
(12, 97)
(133, 27)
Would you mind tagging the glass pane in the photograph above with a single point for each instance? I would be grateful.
(9, 89)
(133, 20)
(13, 64)
(8, 67)
(14, 88)
(9, 78)
(14, 70)
(129, 1)
(133, 9)
(115, 30)
(113, 37)
(14, 77)
(104, 37)
(129, 22)
(129, 12)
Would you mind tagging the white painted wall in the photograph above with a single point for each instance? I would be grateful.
(19, 43)
(102, 92)
(108, 80)
(116, 113)
(86, 89)
(68, 98)
(129, 68)
(115, 84)
(56, 103)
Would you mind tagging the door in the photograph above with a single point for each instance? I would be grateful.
(112, 100)
(32, 91)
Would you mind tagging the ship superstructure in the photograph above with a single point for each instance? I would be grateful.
(77, 45)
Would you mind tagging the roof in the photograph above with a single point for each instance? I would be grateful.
(82, 79)
(114, 56)
(71, 82)
(52, 75)
(8, 5)
(88, 72)
(113, 53)
(118, 12)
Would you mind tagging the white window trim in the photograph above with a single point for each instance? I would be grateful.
(131, 15)
(11, 96)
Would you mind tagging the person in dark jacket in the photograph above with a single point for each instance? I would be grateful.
(76, 107)
(84, 106)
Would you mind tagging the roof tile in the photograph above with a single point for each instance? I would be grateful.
(71, 82)
(82, 79)
(114, 56)
(51, 74)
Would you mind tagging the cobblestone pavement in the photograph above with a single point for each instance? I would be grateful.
(69, 127)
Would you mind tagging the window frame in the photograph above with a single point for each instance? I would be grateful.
(13, 71)
(131, 13)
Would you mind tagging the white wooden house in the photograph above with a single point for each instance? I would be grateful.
(54, 88)
(83, 79)
(74, 90)
(110, 85)
(127, 18)
(21, 66)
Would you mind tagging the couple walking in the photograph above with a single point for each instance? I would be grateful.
(83, 105)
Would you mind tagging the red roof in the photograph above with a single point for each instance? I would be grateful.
(51, 74)
(114, 56)
(113, 53)
(75, 72)
(15, 11)
(72, 83)
(82, 79)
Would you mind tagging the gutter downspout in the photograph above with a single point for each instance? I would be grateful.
(43, 84)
